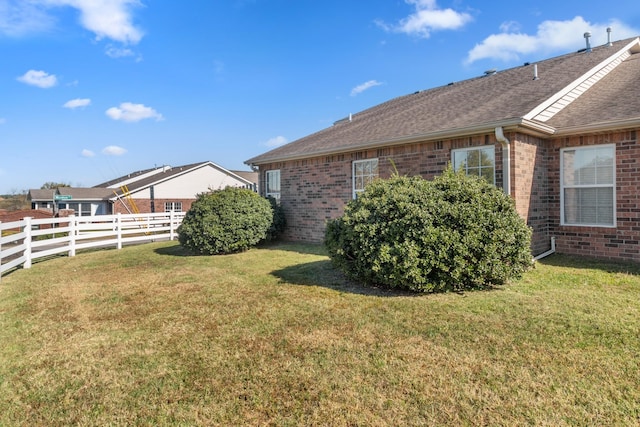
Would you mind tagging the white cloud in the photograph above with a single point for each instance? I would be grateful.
(276, 141)
(551, 36)
(107, 19)
(39, 79)
(88, 153)
(113, 150)
(118, 52)
(77, 103)
(364, 86)
(428, 17)
(110, 19)
(19, 18)
(129, 112)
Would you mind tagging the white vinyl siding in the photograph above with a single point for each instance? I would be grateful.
(272, 184)
(364, 171)
(588, 190)
(478, 161)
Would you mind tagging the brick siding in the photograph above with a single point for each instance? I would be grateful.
(621, 242)
(11, 216)
(144, 205)
(317, 189)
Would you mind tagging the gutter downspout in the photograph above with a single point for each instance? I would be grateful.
(547, 253)
(506, 160)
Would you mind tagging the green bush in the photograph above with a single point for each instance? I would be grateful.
(225, 221)
(279, 221)
(451, 234)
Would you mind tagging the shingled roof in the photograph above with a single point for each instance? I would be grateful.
(571, 90)
(77, 194)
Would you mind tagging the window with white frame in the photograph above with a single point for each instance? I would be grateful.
(272, 183)
(173, 206)
(364, 171)
(479, 161)
(588, 192)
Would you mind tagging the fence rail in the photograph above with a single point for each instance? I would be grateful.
(24, 241)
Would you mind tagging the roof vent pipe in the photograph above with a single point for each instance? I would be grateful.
(535, 72)
(609, 37)
(587, 35)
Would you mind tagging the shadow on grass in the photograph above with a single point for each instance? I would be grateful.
(174, 250)
(587, 263)
(300, 248)
(296, 247)
(323, 273)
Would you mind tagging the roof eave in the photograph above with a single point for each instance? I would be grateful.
(512, 124)
(612, 125)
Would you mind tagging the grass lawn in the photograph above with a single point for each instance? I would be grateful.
(275, 336)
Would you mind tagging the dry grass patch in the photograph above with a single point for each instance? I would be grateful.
(274, 336)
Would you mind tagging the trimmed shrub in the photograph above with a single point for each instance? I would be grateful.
(279, 221)
(225, 221)
(454, 233)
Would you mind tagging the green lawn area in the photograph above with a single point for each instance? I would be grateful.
(275, 336)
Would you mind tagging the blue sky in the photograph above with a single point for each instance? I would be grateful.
(94, 89)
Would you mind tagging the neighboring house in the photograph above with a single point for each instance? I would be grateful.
(167, 188)
(161, 189)
(560, 136)
(42, 199)
(82, 201)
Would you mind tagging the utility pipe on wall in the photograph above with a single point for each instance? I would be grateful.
(506, 159)
(549, 252)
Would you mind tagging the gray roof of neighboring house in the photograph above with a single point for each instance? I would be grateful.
(125, 177)
(461, 108)
(86, 193)
(75, 193)
(248, 175)
(37, 194)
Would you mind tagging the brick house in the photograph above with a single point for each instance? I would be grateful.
(160, 189)
(560, 136)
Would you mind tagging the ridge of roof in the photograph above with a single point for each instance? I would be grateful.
(126, 177)
(163, 174)
(505, 97)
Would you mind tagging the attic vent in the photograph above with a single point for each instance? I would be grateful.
(347, 119)
(490, 72)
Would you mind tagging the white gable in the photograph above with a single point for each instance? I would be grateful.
(191, 183)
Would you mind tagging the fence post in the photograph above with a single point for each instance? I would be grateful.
(0, 247)
(72, 235)
(27, 242)
(119, 227)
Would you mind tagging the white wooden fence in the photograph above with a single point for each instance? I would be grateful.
(38, 238)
